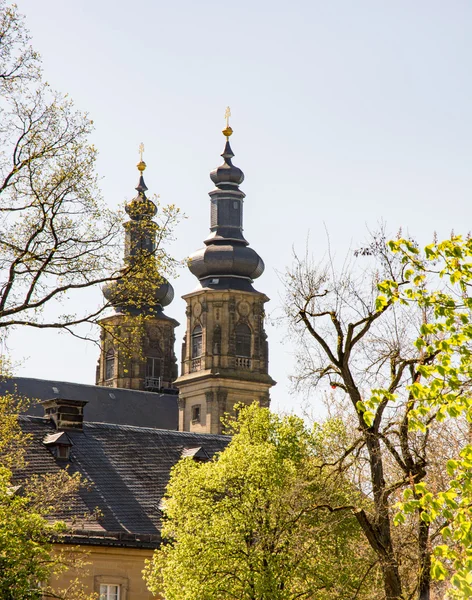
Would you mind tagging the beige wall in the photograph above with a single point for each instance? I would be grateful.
(122, 566)
(219, 378)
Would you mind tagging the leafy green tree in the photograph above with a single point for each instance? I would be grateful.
(29, 530)
(439, 280)
(57, 236)
(393, 340)
(254, 524)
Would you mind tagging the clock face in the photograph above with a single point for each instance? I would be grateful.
(197, 309)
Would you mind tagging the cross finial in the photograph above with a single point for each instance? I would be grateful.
(227, 131)
(141, 164)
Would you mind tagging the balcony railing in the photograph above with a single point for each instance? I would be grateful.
(153, 383)
(196, 364)
(243, 363)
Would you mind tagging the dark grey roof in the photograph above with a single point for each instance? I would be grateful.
(128, 469)
(105, 404)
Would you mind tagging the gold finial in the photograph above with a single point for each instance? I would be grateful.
(227, 131)
(141, 164)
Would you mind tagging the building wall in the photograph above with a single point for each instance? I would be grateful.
(116, 566)
(220, 377)
(133, 341)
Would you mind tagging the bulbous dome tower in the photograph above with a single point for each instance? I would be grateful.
(226, 261)
(225, 354)
(137, 340)
(146, 292)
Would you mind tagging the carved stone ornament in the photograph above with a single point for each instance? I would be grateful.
(197, 309)
(244, 308)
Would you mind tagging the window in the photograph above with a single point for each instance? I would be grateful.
(197, 341)
(243, 340)
(111, 587)
(109, 591)
(110, 364)
(196, 412)
(153, 367)
(217, 340)
(63, 452)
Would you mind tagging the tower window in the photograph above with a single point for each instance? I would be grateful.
(153, 367)
(243, 340)
(153, 380)
(217, 340)
(110, 364)
(196, 413)
(197, 341)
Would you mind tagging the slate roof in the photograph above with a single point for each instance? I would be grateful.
(128, 469)
(105, 404)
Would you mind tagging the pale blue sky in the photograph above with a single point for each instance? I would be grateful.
(345, 113)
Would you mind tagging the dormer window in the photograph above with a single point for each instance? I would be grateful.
(59, 444)
(110, 364)
(63, 452)
(198, 454)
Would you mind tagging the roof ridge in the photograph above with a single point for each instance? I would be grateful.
(98, 425)
(89, 385)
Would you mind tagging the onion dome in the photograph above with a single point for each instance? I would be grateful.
(226, 261)
(139, 292)
(227, 174)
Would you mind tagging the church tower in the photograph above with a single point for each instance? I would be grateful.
(225, 352)
(137, 341)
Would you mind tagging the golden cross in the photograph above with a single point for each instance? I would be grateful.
(141, 150)
(227, 115)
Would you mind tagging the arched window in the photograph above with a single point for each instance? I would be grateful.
(110, 364)
(217, 340)
(243, 340)
(197, 341)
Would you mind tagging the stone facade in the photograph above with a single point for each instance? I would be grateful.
(112, 566)
(224, 357)
(142, 358)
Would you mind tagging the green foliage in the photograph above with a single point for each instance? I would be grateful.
(26, 550)
(57, 235)
(29, 556)
(439, 281)
(255, 522)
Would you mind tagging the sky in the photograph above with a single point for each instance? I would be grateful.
(345, 114)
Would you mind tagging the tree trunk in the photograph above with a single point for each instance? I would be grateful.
(380, 533)
(424, 585)
(392, 582)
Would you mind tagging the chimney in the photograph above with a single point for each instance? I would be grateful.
(66, 414)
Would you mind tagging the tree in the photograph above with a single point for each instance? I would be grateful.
(29, 555)
(57, 236)
(253, 524)
(394, 340)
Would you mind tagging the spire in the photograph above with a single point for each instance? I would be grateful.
(227, 175)
(141, 208)
(140, 243)
(226, 261)
(227, 131)
(141, 187)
